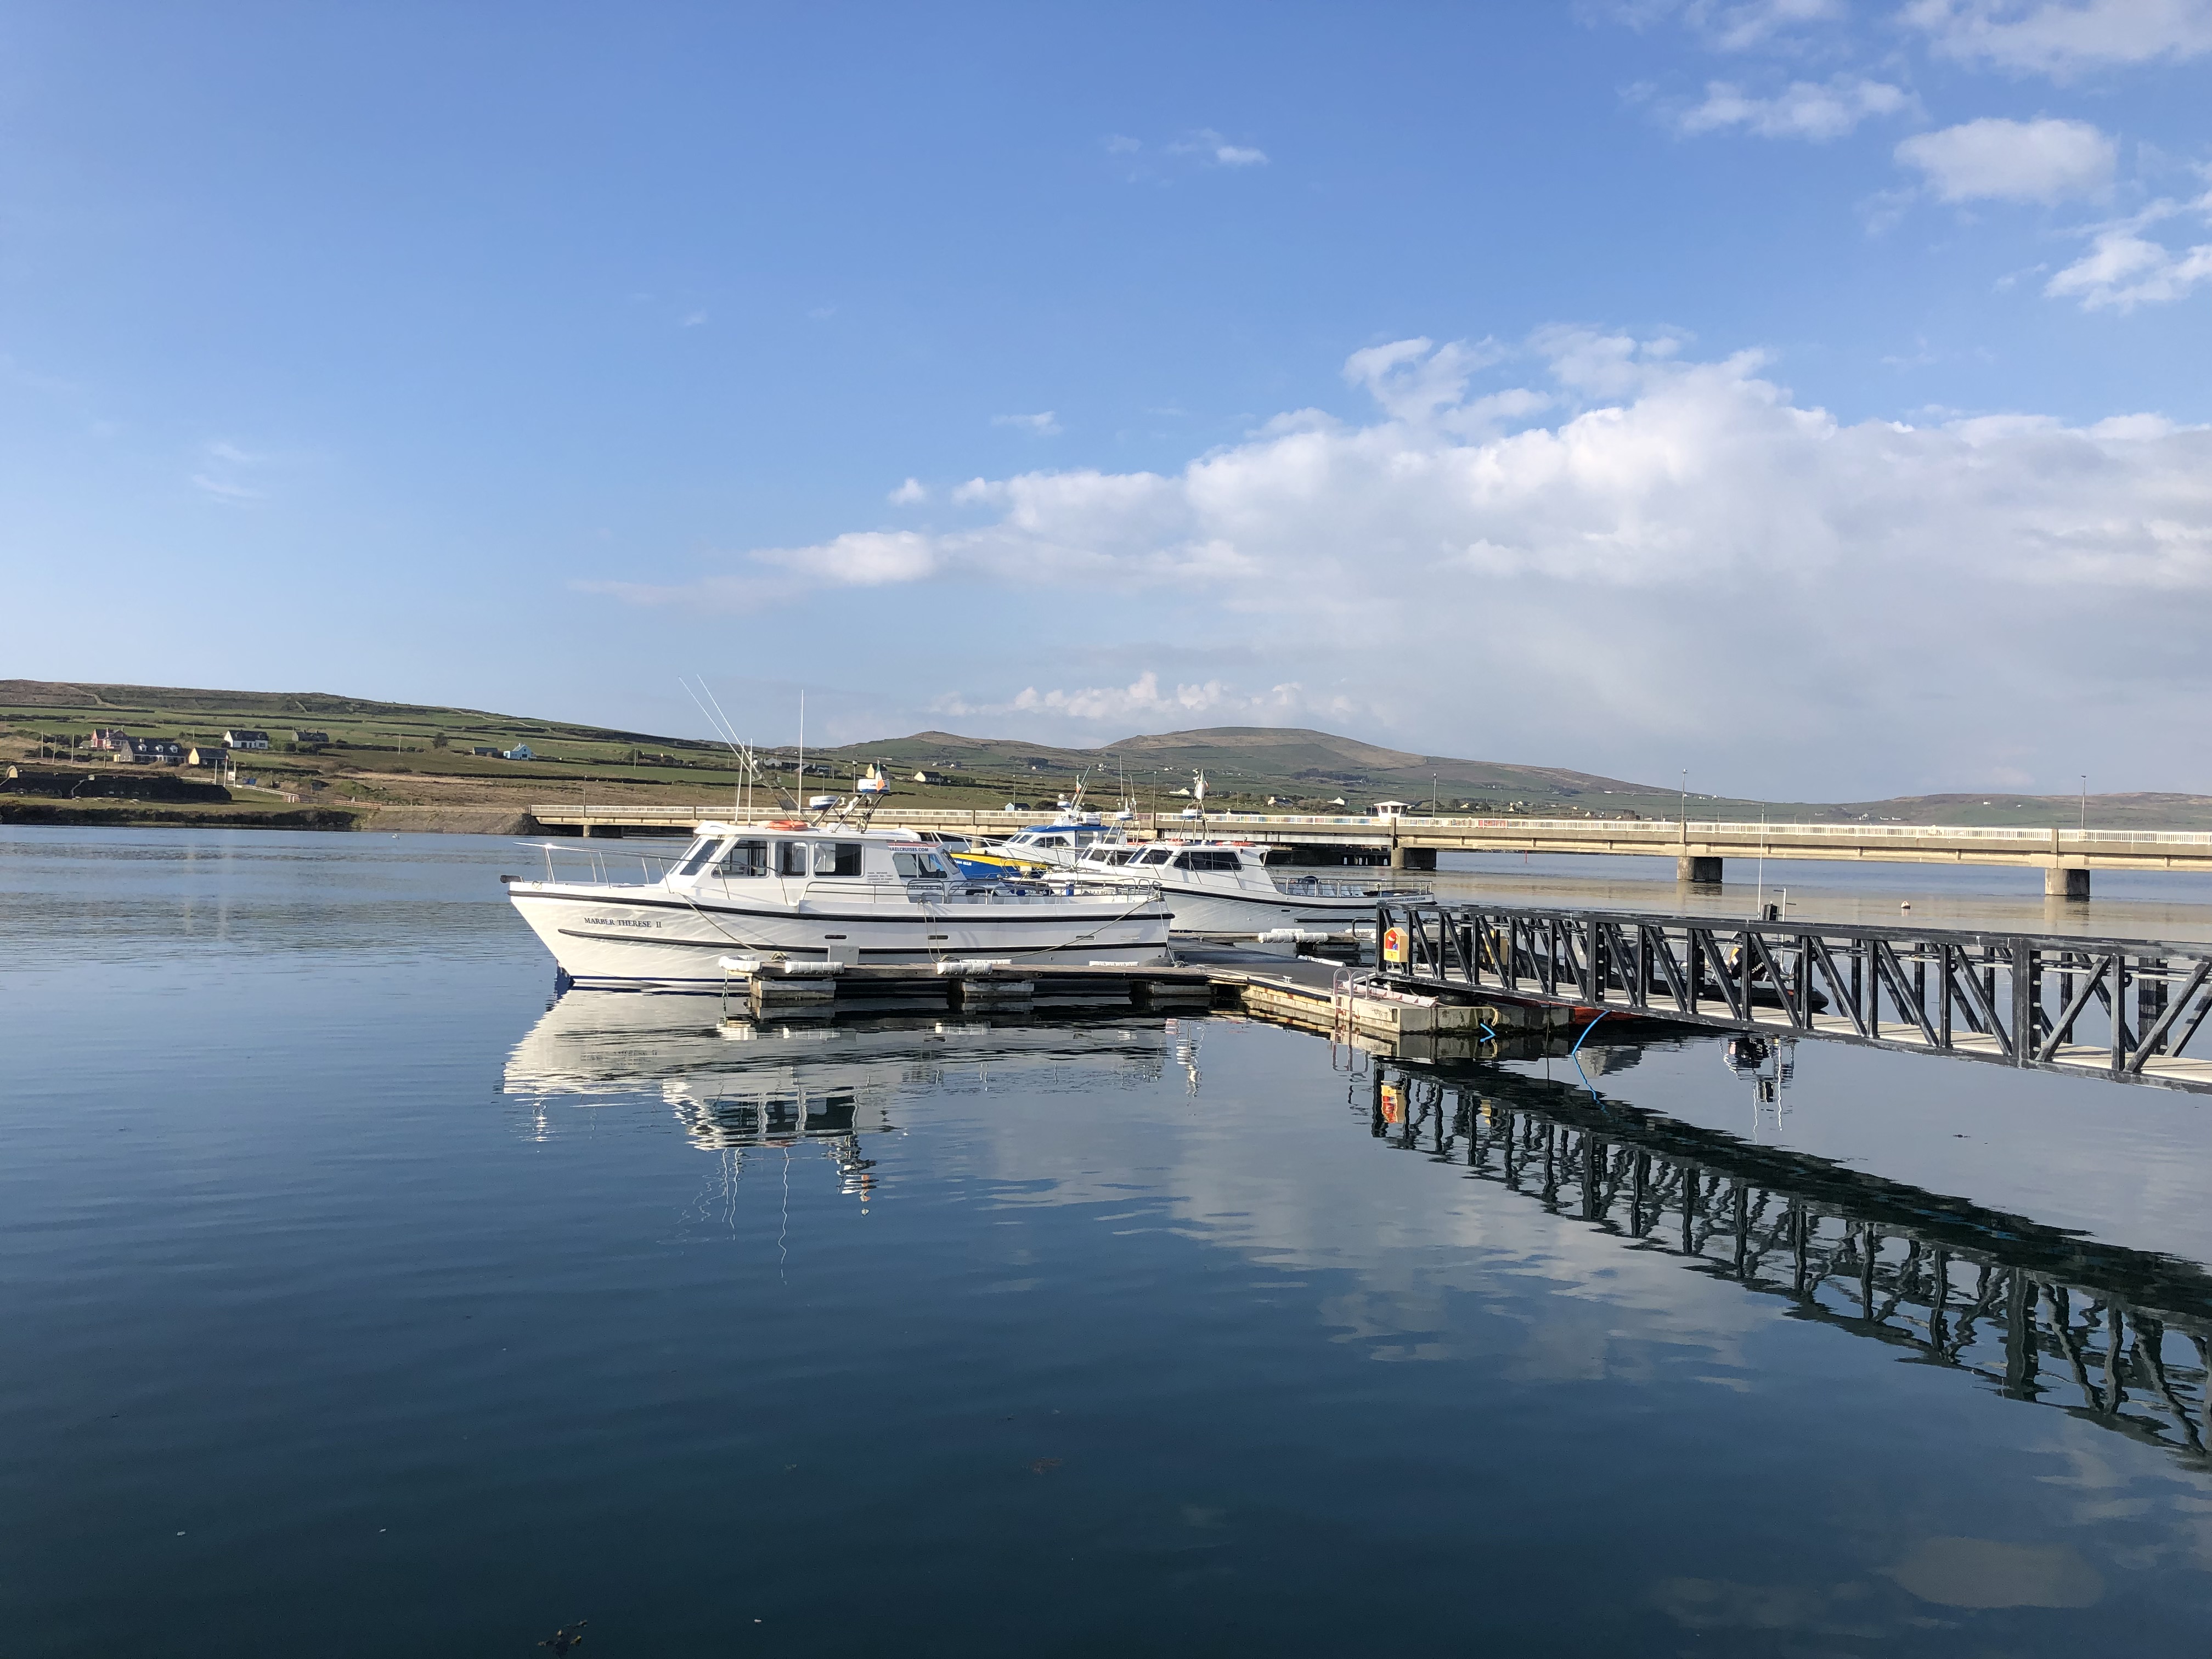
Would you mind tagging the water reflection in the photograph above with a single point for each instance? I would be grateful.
(733, 1084)
(2119, 1337)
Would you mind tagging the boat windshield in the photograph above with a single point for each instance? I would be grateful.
(694, 861)
(1154, 855)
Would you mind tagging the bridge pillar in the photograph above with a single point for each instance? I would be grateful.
(1413, 858)
(1702, 870)
(2066, 884)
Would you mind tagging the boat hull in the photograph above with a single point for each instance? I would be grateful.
(615, 935)
(1196, 910)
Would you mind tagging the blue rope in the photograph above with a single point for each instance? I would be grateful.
(1575, 1054)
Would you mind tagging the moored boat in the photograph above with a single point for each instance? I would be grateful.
(824, 893)
(1219, 887)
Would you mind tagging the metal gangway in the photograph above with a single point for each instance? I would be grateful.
(2122, 1009)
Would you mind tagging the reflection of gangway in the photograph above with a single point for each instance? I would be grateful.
(2051, 1003)
(2121, 1337)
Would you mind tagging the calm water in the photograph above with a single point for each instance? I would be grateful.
(357, 1301)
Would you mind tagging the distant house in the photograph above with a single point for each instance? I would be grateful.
(205, 754)
(145, 751)
(315, 739)
(112, 739)
(487, 749)
(245, 740)
(520, 751)
(931, 777)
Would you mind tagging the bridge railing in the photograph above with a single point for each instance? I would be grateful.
(2124, 1009)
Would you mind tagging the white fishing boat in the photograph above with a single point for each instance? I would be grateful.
(827, 893)
(1056, 846)
(1220, 887)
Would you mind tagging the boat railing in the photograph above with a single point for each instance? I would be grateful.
(1337, 887)
(1020, 890)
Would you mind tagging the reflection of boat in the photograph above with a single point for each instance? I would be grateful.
(740, 1085)
(1224, 887)
(826, 892)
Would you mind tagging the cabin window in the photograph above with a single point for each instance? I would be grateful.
(1153, 855)
(837, 858)
(1204, 860)
(791, 858)
(743, 858)
(910, 865)
(696, 860)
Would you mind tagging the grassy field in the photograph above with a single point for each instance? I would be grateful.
(397, 759)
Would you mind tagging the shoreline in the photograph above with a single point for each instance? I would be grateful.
(342, 820)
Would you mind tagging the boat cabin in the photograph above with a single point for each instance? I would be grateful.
(726, 853)
(1058, 843)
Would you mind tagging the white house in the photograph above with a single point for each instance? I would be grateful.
(243, 739)
(520, 751)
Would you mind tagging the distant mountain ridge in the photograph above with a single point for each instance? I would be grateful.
(1263, 759)
(1303, 769)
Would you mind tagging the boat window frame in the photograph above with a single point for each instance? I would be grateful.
(790, 864)
(756, 845)
(838, 860)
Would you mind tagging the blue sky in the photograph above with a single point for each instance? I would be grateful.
(1810, 392)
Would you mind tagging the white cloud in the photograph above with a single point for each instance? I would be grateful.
(1737, 25)
(2124, 269)
(912, 493)
(1950, 585)
(1042, 423)
(691, 319)
(1817, 111)
(223, 470)
(1673, 472)
(2063, 37)
(223, 490)
(1753, 23)
(1144, 699)
(2040, 161)
(1211, 146)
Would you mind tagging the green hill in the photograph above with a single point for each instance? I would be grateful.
(386, 758)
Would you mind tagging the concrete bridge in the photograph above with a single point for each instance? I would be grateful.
(1699, 849)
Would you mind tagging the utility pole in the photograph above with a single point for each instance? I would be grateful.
(2085, 803)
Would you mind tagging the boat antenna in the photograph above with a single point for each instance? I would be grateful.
(751, 772)
(800, 784)
(747, 761)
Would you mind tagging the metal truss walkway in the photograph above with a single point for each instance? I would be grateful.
(2119, 1337)
(2122, 1009)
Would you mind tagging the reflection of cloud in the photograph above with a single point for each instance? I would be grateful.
(1981, 1572)
(1420, 1248)
(1721, 1604)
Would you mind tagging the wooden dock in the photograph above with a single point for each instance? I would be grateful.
(1307, 994)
